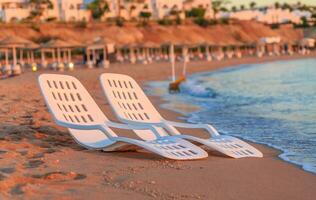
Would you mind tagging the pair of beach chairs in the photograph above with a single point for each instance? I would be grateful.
(72, 107)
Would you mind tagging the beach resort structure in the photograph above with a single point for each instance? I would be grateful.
(19, 54)
(61, 10)
(76, 10)
(158, 8)
(268, 16)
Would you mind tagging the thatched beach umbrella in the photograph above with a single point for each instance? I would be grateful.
(149, 48)
(130, 49)
(57, 45)
(99, 43)
(13, 43)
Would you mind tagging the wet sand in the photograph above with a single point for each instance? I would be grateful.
(39, 160)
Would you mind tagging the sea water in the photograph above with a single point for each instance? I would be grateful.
(272, 103)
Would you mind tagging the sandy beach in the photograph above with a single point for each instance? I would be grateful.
(39, 160)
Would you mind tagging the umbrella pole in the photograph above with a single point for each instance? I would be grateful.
(94, 57)
(53, 55)
(132, 55)
(208, 57)
(21, 57)
(69, 55)
(172, 59)
(6, 58)
(88, 58)
(43, 58)
(105, 64)
(58, 55)
(29, 57)
(32, 57)
(185, 60)
(14, 57)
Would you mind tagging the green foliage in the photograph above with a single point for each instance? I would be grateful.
(41, 3)
(175, 12)
(304, 22)
(43, 39)
(205, 23)
(145, 15)
(195, 13)
(98, 8)
(169, 22)
(217, 5)
(81, 24)
(305, 7)
(51, 19)
(178, 21)
(287, 6)
(224, 21)
(252, 5)
(35, 27)
(213, 22)
(119, 21)
(165, 22)
(275, 26)
(201, 22)
(38, 7)
(223, 9)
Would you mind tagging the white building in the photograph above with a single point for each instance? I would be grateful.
(268, 16)
(278, 16)
(72, 10)
(158, 8)
(62, 10)
(162, 8)
(13, 10)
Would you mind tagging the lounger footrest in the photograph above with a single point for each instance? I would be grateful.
(170, 147)
(234, 147)
(228, 145)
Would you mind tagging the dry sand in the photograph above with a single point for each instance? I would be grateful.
(39, 160)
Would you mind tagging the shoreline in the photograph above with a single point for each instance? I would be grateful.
(281, 152)
(46, 162)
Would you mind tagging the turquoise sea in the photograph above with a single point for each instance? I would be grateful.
(272, 103)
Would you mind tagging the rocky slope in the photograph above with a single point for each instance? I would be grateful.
(237, 32)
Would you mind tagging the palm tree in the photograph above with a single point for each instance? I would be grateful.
(38, 7)
(287, 6)
(252, 5)
(98, 8)
(217, 5)
(234, 9)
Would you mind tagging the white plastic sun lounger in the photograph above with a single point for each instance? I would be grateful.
(72, 107)
(132, 106)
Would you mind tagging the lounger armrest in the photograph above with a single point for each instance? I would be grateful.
(79, 127)
(207, 127)
(126, 126)
(132, 127)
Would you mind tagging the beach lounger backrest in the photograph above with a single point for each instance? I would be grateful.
(68, 100)
(127, 98)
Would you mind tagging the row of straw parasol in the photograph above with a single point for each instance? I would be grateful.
(57, 47)
(14, 45)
